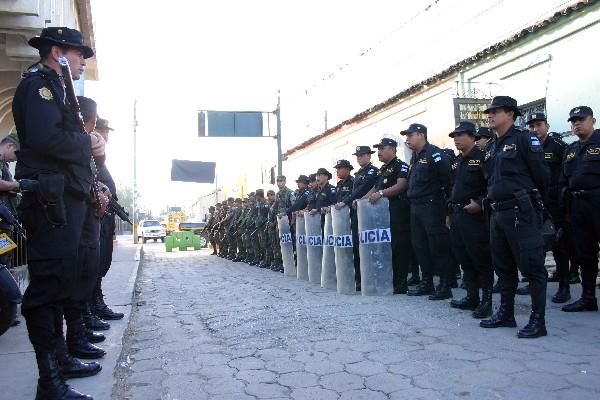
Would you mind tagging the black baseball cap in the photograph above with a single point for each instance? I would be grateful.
(386, 142)
(415, 128)
(484, 131)
(580, 112)
(537, 116)
(464, 127)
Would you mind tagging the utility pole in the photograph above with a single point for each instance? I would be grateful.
(135, 238)
(279, 155)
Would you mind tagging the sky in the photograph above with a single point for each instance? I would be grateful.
(335, 57)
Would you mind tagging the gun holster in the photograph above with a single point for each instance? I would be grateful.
(524, 201)
(50, 194)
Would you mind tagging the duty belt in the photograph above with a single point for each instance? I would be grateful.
(457, 207)
(424, 199)
(504, 205)
(585, 194)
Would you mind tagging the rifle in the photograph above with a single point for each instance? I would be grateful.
(99, 189)
(118, 210)
(7, 216)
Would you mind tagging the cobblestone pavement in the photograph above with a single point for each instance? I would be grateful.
(208, 328)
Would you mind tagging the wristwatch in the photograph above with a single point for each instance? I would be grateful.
(381, 193)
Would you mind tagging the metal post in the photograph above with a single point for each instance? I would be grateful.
(279, 155)
(134, 206)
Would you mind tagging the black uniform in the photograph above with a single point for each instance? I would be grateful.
(515, 168)
(399, 221)
(469, 233)
(581, 180)
(302, 197)
(58, 156)
(364, 180)
(428, 189)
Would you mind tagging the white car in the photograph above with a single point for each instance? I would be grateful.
(151, 229)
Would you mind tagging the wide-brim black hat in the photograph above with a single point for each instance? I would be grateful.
(506, 102)
(360, 150)
(323, 171)
(61, 36)
(343, 164)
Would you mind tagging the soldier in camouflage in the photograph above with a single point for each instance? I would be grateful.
(8, 187)
(260, 221)
(267, 233)
(284, 199)
(249, 228)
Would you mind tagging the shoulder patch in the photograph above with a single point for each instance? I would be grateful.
(535, 141)
(332, 190)
(45, 93)
(404, 168)
(371, 171)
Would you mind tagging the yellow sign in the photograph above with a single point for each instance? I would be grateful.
(6, 243)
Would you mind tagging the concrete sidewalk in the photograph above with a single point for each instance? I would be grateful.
(18, 371)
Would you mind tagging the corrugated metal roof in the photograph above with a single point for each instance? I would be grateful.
(491, 50)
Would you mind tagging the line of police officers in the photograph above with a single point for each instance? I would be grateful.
(69, 244)
(509, 196)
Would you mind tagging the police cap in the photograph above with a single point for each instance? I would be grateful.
(63, 37)
(484, 131)
(303, 178)
(360, 150)
(415, 128)
(580, 112)
(323, 171)
(537, 116)
(386, 142)
(464, 127)
(506, 102)
(343, 164)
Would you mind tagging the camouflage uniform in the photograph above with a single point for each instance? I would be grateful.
(248, 229)
(10, 200)
(283, 200)
(258, 235)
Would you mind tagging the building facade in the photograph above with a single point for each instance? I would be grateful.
(548, 66)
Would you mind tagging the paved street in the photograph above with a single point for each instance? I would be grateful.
(207, 328)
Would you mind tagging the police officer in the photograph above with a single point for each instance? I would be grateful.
(364, 180)
(51, 152)
(554, 150)
(284, 199)
(392, 183)
(581, 184)
(302, 195)
(324, 194)
(484, 137)
(107, 233)
(8, 187)
(517, 181)
(469, 232)
(428, 189)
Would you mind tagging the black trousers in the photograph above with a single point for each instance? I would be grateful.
(517, 244)
(355, 244)
(469, 234)
(53, 268)
(430, 238)
(401, 241)
(107, 231)
(585, 217)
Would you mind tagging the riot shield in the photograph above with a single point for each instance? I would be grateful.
(375, 247)
(314, 246)
(344, 259)
(301, 261)
(287, 248)
(328, 277)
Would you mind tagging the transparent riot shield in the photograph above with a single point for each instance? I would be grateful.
(287, 248)
(344, 259)
(375, 247)
(314, 246)
(328, 277)
(301, 260)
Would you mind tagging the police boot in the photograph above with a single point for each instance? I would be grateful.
(92, 321)
(535, 328)
(78, 344)
(504, 317)
(555, 277)
(443, 291)
(413, 280)
(51, 385)
(100, 307)
(496, 288)
(563, 294)
(71, 367)
(587, 302)
(523, 291)
(484, 309)
(470, 301)
(94, 337)
(402, 287)
(574, 276)
(424, 288)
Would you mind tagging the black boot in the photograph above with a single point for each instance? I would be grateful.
(496, 288)
(504, 318)
(470, 301)
(563, 294)
(402, 287)
(100, 307)
(442, 292)
(78, 344)
(574, 277)
(523, 291)
(587, 302)
(535, 328)
(70, 367)
(51, 385)
(92, 321)
(423, 289)
(554, 277)
(413, 280)
(94, 337)
(484, 309)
